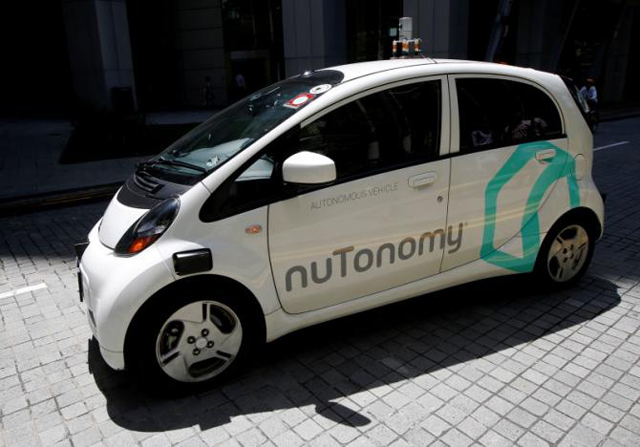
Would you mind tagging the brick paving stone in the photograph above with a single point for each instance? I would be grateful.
(508, 430)
(625, 437)
(342, 433)
(324, 440)
(547, 431)
(582, 435)
(53, 435)
(251, 438)
(456, 438)
(88, 437)
(631, 423)
(435, 425)
(521, 417)
(472, 428)
(531, 440)
(308, 429)
(382, 435)
(493, 439)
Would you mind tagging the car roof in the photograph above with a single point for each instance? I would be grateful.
(359, 69)
(436, 66)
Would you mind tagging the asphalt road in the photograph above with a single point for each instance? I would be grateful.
(490, 363)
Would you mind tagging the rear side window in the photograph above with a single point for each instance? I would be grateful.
(497, 113)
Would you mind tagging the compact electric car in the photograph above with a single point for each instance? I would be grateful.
(333, 192)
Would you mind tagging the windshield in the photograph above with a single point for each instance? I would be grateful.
(218, 139)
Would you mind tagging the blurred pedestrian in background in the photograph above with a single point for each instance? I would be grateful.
(590, 93)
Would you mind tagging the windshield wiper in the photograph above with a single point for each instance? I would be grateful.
(164, 161)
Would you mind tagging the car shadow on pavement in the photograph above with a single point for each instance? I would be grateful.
(336, 368)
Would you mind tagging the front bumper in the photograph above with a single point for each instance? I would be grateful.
(114, 288)
(115, 359)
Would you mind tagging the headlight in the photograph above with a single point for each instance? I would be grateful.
(146, 230)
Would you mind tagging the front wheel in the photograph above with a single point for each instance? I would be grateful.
(565, 254)
(193, 342)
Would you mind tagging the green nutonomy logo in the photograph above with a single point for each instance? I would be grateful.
(562, 165)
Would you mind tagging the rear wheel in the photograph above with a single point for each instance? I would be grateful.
(565, 254)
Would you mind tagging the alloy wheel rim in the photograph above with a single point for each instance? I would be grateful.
(568, 253)
(198, 341)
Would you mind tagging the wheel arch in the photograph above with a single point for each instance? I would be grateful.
(195, 284)
(583, 215)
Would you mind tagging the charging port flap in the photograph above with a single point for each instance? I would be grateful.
(192, 261)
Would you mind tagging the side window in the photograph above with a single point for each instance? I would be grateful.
(395, 127)
(251, 189)
(255, 186)
(542, 114)
(497, 113)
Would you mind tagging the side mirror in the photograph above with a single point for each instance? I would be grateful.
(308, 168)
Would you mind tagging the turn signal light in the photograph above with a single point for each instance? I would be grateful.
(141, 243)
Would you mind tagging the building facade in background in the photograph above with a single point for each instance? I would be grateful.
(177, 54)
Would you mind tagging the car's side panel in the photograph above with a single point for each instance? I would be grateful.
(496, 193)
(357, 238)
(556, 204)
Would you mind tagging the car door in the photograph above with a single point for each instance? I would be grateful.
(381, 224)
(506, 134)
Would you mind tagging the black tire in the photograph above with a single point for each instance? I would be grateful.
(559, 269)
(152, 332)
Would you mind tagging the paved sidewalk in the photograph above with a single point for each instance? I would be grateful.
(29, 155)
(492, 363)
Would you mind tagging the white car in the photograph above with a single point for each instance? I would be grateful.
(333, 192)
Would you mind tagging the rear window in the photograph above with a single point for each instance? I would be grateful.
(497, 113)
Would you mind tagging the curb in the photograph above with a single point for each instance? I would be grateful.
(38, 202)
(619, 116)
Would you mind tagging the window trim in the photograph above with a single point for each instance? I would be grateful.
(455, 109)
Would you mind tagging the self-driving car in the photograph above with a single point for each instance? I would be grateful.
(333, 192)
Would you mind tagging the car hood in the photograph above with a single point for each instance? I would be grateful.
(117, 219)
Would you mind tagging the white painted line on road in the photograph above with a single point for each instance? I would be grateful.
(23, 290)
(620, 143)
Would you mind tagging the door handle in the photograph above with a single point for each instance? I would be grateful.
(545, 155)
(420, 180)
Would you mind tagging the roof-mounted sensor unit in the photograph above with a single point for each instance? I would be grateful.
(409, 47)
